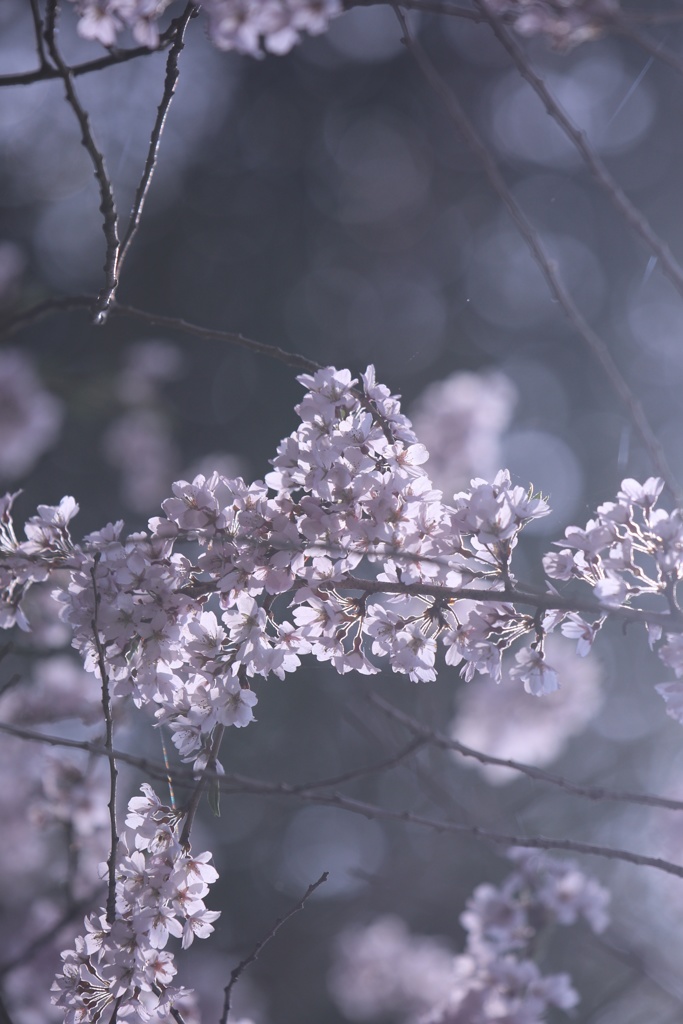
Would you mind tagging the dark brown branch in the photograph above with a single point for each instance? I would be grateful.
(598, 793)
(232, 784)
(107, 204)
(69, 303)
(113, 58)
(237, 971)
(40, 42)
(109, 749)
(179, 28)
(545, 263)
(510, 595)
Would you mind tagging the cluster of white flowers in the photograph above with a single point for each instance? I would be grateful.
(461, 420)
(122, 965)
(383, 970)
(247, 26)
(349, 529)
(631, 551)
(565, 23)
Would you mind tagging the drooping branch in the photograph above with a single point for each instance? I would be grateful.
(596, 345)
(236, 972)
(107, 203)
(634, 217)
(109, 748)
(179, 28)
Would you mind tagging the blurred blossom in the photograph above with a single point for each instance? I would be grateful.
(392, 315)
(139, 443)
(225, 463)
(59, 689)
(506, 722)
(148, 365)
(30, 417)
(507, 288)
(460, 421)
(654, 319)
(564, 23)
(546, 461)
(383, 969)
(326, 839)
(596, 94)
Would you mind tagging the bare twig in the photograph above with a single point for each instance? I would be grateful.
(232, 784)
(107, 204)
(599, 793)
(545, 263)
(179, 28)
(243, 964)
(208, 773)
(109, 748)
(40, 43)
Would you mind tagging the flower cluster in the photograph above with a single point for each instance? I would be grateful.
(349, 497)
(565, 23)
(122, 964)
(30, 417)
(631, 551)
(382, 969)
(248, 26)
(347, 532)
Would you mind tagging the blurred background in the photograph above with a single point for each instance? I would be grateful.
(323, 202)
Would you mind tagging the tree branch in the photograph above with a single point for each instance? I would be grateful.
(545, 263)
(107, 204)
(172, 73)
(237, 971)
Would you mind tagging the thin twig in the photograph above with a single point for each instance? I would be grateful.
(179, 28)
(599, 793)
(655, 49)
(546, 264)
(232, 784)
(107, 204)
(361, 773)
(631, 214)
(109, 748)
(208, 773)
(237, 971)
(40, 43)
(183, 778)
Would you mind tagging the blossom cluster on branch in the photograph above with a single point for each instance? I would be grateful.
(121, 965)
(348, 533)
(247, 26)
(382, 969)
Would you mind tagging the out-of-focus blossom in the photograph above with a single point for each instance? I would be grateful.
(30, 417)
(248, 26)
(139, 442)
(383, 970)
(460, 421)
(505, 722)
(565, 23)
